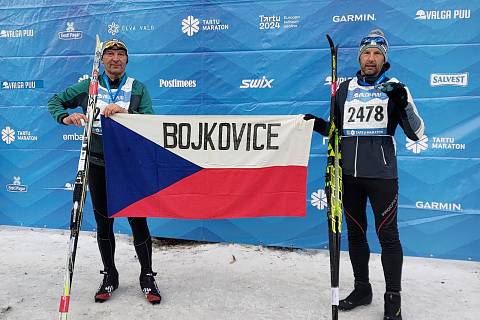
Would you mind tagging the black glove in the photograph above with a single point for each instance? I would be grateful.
(320, 125)
(396, 92)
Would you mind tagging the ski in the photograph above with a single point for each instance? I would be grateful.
(80, 189)
(333, 187)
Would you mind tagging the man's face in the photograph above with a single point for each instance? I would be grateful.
(115, 62)
(371, 61)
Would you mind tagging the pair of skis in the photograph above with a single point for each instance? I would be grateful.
(81, 181)
(333, 187)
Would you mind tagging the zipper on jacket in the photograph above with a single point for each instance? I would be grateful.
(383, 155)
(355, 162)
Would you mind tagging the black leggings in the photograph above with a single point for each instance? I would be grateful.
(105, 237)
(383, 196)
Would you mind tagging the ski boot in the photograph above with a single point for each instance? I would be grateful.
(108, 285)
(149, 287)
(392, 306)
(360, 296)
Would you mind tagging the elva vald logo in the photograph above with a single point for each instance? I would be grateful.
(192, 25)
(319, 199)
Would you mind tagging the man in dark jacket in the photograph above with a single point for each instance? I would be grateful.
(117, 93)
(368, 110)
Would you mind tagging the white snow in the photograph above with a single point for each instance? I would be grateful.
(205, 282)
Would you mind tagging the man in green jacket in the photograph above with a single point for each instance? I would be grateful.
(117, 93)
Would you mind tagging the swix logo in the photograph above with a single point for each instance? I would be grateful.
(190, 25)
(16, 186)
(8, 135)
(417, 146)
(261, 83)
(354, 17)
(319, 199)
(443, 14)
(70, 33)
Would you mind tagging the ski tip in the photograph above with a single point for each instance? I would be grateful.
(153, 299)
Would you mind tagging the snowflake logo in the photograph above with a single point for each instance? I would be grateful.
(319, 199)
(70, 27)
(113, 28)
(417, 146)
(84, 77)
(8, 135)
(190, 26)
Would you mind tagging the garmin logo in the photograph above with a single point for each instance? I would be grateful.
(449, 79)
(354, 17)
(441, 206)
(175, 83)
(261, 83)
(443, 14)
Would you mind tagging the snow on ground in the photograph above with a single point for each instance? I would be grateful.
(204, 281)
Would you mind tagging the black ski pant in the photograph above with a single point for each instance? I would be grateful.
(105, 237)
(383, 196)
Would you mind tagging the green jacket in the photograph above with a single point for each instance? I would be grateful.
(77, 96)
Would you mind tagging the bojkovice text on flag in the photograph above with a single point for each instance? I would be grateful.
(206, 167)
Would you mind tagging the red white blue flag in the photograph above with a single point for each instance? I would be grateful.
(206, 167)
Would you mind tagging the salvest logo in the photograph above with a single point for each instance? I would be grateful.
(70, 33)
(443, 14)
(261, 83)
(16, 186)
(8, 135)
(319, 199)
(449, 79)
(354, 17)
(417, 146)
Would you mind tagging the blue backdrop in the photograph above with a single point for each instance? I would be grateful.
(215, 45)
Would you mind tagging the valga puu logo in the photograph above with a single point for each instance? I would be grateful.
(261, 83)
(443, 14)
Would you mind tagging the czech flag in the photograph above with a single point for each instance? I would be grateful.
(206, 167)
